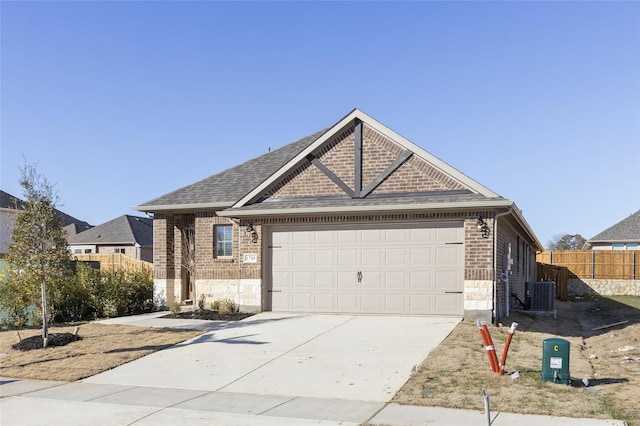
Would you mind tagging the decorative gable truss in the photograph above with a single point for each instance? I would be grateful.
(360, 162)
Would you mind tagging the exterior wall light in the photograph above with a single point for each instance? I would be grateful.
(252, 232)
(482, 227)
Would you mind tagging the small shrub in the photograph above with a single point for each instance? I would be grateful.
(174, 307)
(201, 300)
(110, 309)
(227, 306)
(215, 305)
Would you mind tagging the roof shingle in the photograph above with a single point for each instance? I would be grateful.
(121, 230)
(227, 187)
(627, 230)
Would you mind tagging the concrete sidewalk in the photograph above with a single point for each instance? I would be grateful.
(36, 403)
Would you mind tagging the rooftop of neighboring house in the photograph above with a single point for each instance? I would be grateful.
(70, 223)
(625, 231)
(123, 230)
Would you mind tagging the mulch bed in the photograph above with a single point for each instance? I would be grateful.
(206, 314)
(36, 342)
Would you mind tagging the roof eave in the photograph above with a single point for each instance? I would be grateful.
(608, 241)
(525, 225)
(182, 207)
(305, 211)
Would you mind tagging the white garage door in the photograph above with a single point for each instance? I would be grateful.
(393, 269)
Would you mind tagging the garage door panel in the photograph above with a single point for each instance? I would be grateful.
(302, 279)
(347, 279)
(325, 257)
(421, 256)
(372, 256)
(421, 304)
(348, 302)
(303, 301)
(325, 302)
(447, 304)
(325, 237)
(348, 236)
(348, 257)
(372, 280)
(420, 235)
(447, 234)
(303, 237)
(282, 279)
(372, 237)
(447, 279)
(281, 298)
(447, 256)
(408, 268)
(303, 258)
(395, 280)
(395, 257)
(395, 303)
(395, 236)
(325, 280)
(421, 280)
(281, 258)
(372, 303)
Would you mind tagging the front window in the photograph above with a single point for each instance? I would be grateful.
(224, 240)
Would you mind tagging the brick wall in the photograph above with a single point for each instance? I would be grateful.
(307, 179)
(163, 242)
(378, 152)
(478, 250)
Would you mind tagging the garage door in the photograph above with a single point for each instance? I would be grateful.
(393, 269)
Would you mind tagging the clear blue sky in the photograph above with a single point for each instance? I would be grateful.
(121, 102)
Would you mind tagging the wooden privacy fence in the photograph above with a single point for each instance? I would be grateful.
(595, 264)
(558, 274)
(116, 261)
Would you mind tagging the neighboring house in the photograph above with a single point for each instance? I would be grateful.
(352, 219)
(9, 209)
(129, 235)
(624, 235)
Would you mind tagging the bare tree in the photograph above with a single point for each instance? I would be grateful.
(188, 257)
(567, 242)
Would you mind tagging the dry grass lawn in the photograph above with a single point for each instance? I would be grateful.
(456, 372)
(102, 347)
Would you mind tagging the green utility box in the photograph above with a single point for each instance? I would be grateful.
(555, 361)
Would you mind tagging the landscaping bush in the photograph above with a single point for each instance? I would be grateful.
(92, 293)
(227, 306)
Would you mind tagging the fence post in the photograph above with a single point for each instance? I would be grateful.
(593, 264)
(633, 261)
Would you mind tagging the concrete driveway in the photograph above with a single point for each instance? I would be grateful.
(365, 358)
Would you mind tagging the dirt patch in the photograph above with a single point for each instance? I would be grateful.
(456, 372)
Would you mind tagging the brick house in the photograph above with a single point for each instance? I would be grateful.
(355, 219)
(128, 235)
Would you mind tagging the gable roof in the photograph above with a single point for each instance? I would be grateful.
(70, 223)
(123, 230)
(356, 114)
(240, 185)
(627, 230)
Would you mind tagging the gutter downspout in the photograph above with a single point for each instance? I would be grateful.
(495, 262)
